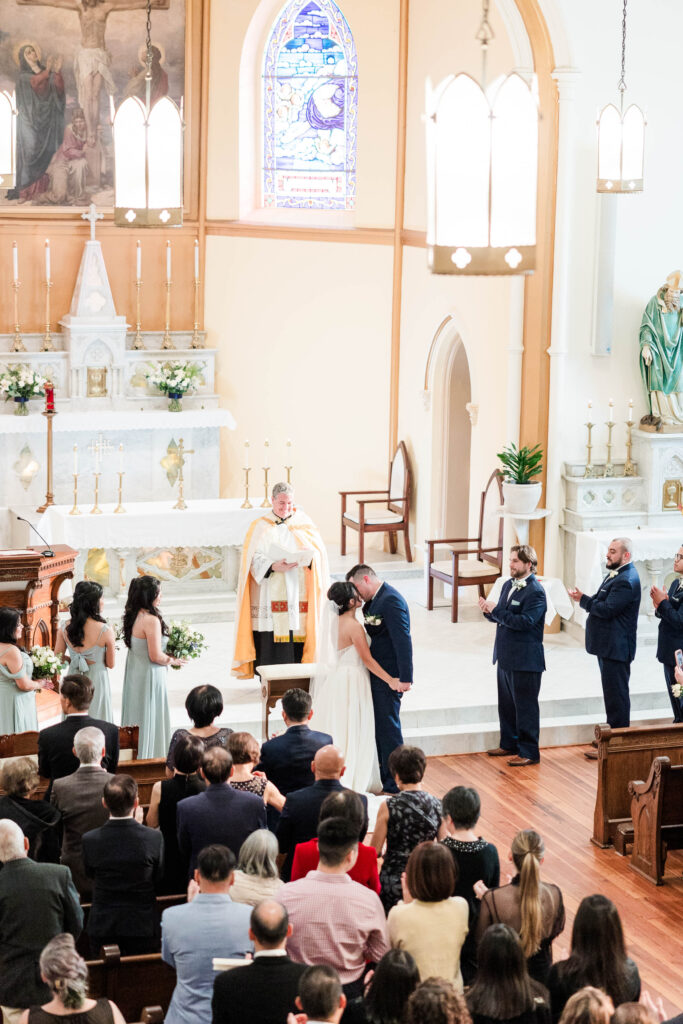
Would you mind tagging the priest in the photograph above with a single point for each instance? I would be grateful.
(283, 578)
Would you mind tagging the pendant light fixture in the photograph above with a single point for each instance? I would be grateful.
(621, 138)
(8, 123)
(148, 156)
(482, 168)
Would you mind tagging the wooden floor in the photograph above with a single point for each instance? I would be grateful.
(557, 799)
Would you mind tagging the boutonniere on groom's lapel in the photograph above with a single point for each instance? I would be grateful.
(612, 573)
(373, 620)
(518, 584)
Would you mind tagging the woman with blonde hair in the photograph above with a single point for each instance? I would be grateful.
(38, 819)
(66, 975)
(588, 1006)
(532, 907)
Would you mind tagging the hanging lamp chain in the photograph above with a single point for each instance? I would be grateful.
(485, 35)
(622, 80)
(148, 58)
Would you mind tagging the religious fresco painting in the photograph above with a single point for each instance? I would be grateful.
(310, 105)
(66, 60)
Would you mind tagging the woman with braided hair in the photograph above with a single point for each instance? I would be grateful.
(66, 974)
(532, 907)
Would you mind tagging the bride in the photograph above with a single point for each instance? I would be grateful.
(341, 685)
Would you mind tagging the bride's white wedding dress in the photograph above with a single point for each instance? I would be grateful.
(342, 702)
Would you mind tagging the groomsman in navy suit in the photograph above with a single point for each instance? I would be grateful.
(611, 629)
(669, 611)
(518, 651)
(387, 622)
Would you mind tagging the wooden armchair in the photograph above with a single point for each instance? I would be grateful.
(393, 515)
(486, 565)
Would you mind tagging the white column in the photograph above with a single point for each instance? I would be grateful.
(561, 407)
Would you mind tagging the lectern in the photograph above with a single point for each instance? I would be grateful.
(30, 582)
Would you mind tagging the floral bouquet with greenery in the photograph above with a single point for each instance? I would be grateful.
(46, 663)
(174, 377)
(20, 381)
(118, 634)
(184, 643)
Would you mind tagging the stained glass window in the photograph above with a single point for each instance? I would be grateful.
(310, 102)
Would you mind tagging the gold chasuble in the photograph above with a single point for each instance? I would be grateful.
(280, 602)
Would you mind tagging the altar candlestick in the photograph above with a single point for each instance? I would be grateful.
(246, 455)
(75, 460)
(196, 259)
(49, 397)
(47, 259)
(630, 410)
(49, 414)
(138, 262)
(121, 458)
(15, 262)
(168, 261)
(266, 461)
(288, 459)
(611, 410)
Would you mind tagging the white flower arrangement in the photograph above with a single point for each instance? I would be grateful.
(20, 381)
(373, 620)
(184, 642)
(175, 377)
(46, 663)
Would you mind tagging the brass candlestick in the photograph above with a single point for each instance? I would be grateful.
(289, 473)
(196, 340)
(182, 452)
(75, 511)
(609, 467)
(246, 503)
(49, 496)
(17, 344)
(629, 465)
(265, 503)
(590, 470)
(119, 508)
(96, 510)
(47, 345)
(138, 343)
(166, 342)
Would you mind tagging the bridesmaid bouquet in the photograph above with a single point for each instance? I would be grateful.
(46, 663)
(184, 642)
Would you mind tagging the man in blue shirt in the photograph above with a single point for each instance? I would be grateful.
(194, 933)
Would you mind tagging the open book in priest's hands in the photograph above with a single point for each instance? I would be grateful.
(302, 557)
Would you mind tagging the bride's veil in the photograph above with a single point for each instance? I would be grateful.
(327, 654)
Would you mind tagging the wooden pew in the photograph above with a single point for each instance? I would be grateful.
(657, 813)
(162, 902)
(623, 755)
(134, 983)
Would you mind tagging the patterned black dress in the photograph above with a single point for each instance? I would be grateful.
(414, 817)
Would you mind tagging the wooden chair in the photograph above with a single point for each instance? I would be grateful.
(486, 565)
(393, 518)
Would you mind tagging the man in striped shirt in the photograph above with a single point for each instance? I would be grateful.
(335, 920)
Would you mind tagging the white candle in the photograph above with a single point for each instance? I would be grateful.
(288, 451)
(246, 455)
(75, 459)
(121, 458)
(611, 410)
(168, 261)
(630, 410)
(15, 261)
(138, 262)
(112, 110)
(196, 259)
(47, 259)
(266, 462)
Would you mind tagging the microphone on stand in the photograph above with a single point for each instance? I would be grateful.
(49, 553)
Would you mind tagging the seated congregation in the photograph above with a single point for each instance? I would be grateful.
(263, 856)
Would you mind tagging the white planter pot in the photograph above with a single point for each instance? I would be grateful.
(521, 498)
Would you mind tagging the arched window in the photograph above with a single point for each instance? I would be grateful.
(310, 109)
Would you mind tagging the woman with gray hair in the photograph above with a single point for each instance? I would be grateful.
(66, 975)
(37, 819)
(256, 877)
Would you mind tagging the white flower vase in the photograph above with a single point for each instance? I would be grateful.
(521, 498)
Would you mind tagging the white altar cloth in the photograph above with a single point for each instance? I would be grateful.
(118, 420)
(648, 545)
(559, 601)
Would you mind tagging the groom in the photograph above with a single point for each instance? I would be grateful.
(387, 621)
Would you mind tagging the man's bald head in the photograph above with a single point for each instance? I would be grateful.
(618, 552)
(13, 844)
(269, 924)
(328, 763)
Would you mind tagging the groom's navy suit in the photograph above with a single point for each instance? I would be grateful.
(518, 652)
(611, 629)
(670, 639)
(392, 647)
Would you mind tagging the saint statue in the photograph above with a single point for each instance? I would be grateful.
(661, 353)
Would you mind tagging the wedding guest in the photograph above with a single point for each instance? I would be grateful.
(246, 753)
(145, 700)
(37, 819)
(203, 705)
(532, 907)
(430, 922)
(257, 877)
(635, 1013)
(66, 975)
(410, 817)
(475, 860)
(669, 610)
(163, 806)
(502, 990)
(320, 995)
(17, 689)
(345, 804)
(88, 642)
(287, 759)
(388, 989)
(436, 1001)
(588, 1006)
(597, 958)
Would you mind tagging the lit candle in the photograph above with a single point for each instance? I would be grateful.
(168, 261)
(266, 462)
(630, 410)
(196, 259)
(121, 458)
(288, 453)
(75, 459)
(138, 262)
(15, 261)
(49, 396)
(47, 259)
(246, 455)
(611, 410)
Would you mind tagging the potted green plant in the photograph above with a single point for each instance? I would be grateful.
(521, 493)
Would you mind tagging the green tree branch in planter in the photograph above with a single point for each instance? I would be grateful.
(521, 465)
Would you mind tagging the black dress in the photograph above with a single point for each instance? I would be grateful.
(563, 983)
(39, 820)
(414, 817)
(219, 739)
(100, 1014)
(172, 792)
(538, 1014)
(474, 861)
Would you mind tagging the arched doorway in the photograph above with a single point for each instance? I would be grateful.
(451, 434)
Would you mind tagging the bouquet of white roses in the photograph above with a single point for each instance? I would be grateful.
(174, 377)
(46, 663)
(118, 634)
(184, 642)
(20, 381)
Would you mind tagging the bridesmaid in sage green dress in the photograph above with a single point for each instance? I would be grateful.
(88, 642)
(145, 701)
(17, 689)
